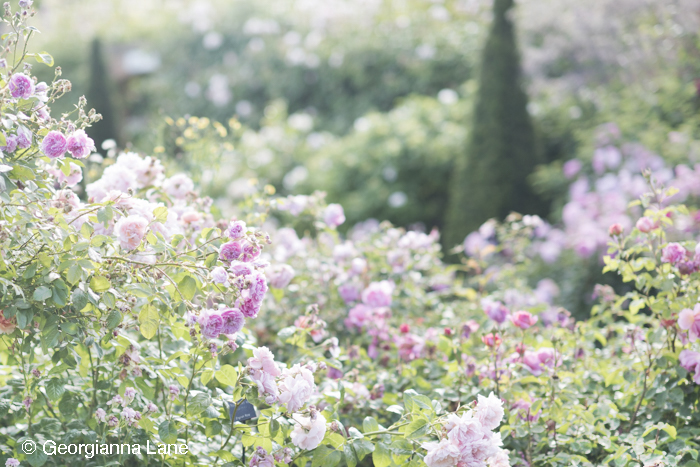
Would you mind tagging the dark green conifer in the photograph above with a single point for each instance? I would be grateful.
(99, 97)
(490, 179)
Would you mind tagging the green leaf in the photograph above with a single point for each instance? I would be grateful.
(417, 428)
(350, 455)
(370, 424)
(168, 432)
(79, 299)
(37, 458)
(188, 287)
(41, 293)
(213, 428)
(49, 337)
(100, 284)
(362, 448)
(148, 321)
(323, 456)
(75, 272)
(24, 318)
(207, 376)
(227, 375)
(55, 389)
(114, 319)
(381, 457)
(44, 57)
(671, 430)
(160, 214)
(199, 404)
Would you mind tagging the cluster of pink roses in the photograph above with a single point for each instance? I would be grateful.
(291, 388)
(55, 144)
(677, 255)
(129, 416)
(470, 440)
(213, 323)
(498, 312)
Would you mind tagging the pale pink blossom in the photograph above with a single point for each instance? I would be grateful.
(264, 360)
(672, 253)
(645, 224)
(378, 294)
(219, 275)
(689, 320)
(80, 145)
(296, 387)
(280, 275)
(523, 319)
(500, 459)
(211, 324)
(690, 360)
(130, 231)
(178, 186)
(7, 326)
(233, 321)
(489, 411)
(334, 215)
(442, 454)
(309, 431)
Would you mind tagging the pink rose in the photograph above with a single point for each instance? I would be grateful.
(21, 86)
(378, 294)
(495, 310)
(689, 320)
(233, 321)
(309, 432)
(7, 326)
(690, 360)
(442, 454)
(523, 319)
(334, 216)
(646, 225)
(296, 387)
(349, 293)
(230, 251)
(236, 230)
(130, 231)
(219, 275)
(80, 145)
(489, 411)
(280, 275)
(672, 253)
(264, 360)
(54, 145)
(211, 324)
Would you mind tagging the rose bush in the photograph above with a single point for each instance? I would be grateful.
(133, 314)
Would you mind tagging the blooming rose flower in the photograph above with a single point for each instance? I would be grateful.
(334, 215)
(10, 143)
(233, 321)
(79, 144)
(442, 454)
(646, 225)
(7, 326)
(258, 286)
(266, 385)
(21, 86)
(499, 460)
(378, 294)
(571, 168)
(239, 268)
(523, 319)
(497, 311)
(672, 253)
(219, 275)
(236, 230)
(491, 340)
(690, 360)
(73, 178)
(264, 360)
(464, 430)
(230, 251)
(24, 137)
(130, 231)
(489, 411)
(54, 145)
(309, 432)
(469, 327)
(178, 186)
(689, 320)
(11, 462)
(280, 275)
(250, 252)
(249, 307)
(296, 387)
(101, 415)
(211, 324)
(349, 293)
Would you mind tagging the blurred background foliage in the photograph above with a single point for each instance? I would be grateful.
(373, 101)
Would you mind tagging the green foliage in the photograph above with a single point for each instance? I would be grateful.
(101, 95)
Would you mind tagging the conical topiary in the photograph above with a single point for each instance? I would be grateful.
(99, 96)
(490, 179)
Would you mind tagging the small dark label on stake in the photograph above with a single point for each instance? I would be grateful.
(245, 410)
